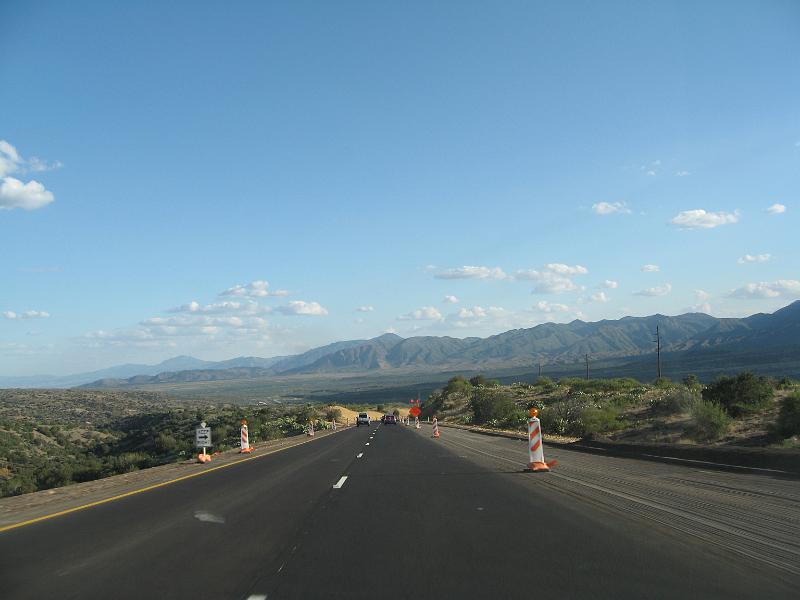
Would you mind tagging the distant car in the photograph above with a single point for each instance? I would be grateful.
(389, 420)
(363, 419)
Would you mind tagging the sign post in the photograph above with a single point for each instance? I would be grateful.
(202, 439)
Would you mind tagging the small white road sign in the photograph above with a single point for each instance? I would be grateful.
(202, 437)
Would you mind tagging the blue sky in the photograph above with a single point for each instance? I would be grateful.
(526, 159)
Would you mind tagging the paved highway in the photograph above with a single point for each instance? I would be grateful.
(388, 512)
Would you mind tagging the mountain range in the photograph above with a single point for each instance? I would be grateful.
(688, 335)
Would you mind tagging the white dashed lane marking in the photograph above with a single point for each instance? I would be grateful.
(340, 483)
(360, 455)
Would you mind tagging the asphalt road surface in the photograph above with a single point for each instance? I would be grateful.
(388, 512)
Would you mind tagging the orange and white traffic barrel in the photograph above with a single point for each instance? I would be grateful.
(535, 450)
(435, 428)
(245, 439)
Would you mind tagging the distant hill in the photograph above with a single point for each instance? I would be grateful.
(684, 338)
(126, 371)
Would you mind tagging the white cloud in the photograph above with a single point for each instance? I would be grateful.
(303, 308)
(450, 300)
(548, 282)
(751, 258)
(254, 289)
(786, 288)
(701, 295)
(10, 159)
(776, 209)
(611, 285)
(391, 330)
(365, 309)
(563, 269)
(426, 313)
(702, 219)
(227, 306)
(609, 208)
(682, 174)
(12, 162)
(493, 317)
(472, 272)
(599, 297)
(18, 194)
(28, 314)
(660, 290)
(27, 196)
(555, 278)
(550, 307)
(651, 268)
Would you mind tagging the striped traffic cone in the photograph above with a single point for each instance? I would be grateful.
(245, 440)
(435, 428)
(535, 451)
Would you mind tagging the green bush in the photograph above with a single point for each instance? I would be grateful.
(333, 414)
(676, 401)
(560, 417)
(788, 423)
(742, 394)
(692, 382)
(494, 407)
(596, 420)
(709, 420)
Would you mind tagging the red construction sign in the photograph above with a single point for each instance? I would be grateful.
(414, 411)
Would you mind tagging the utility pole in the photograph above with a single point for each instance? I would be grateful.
(587, 367)
(540, 369)
(658, 350)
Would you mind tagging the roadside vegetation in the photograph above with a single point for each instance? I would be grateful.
(744, 409)
(51, 438)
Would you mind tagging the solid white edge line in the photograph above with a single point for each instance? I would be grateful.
(706, 462)
(340, 483)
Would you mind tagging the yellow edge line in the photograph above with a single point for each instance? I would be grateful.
(149, 487)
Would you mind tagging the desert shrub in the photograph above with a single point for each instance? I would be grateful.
(742, 394)
(597, 420)
(663, 383)
(692, 382)
(675, 401)
(788, 423)
(545, 384)
(710, 421)
(432, 405)
(621, 384)
(458, 385)
(494, 407)
(333, 414)
(560, 417)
